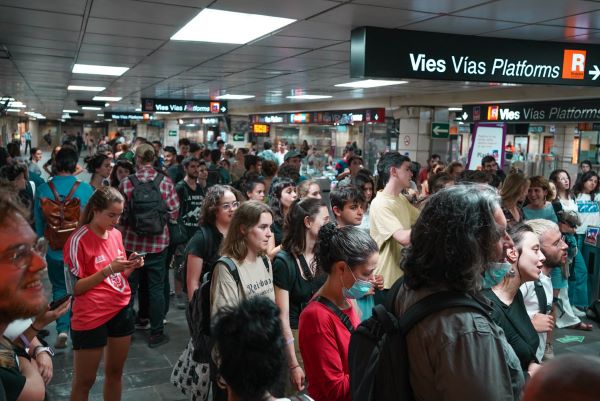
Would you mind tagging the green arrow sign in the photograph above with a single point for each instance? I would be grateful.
(440, 130)
(239, 137)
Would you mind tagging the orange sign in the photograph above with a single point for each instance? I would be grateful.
(260, 129)
(493, 113)
(574, 64)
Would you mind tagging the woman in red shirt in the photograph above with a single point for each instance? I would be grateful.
(96, 259)
(348, 255)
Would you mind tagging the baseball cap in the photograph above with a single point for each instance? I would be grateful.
(291, 154)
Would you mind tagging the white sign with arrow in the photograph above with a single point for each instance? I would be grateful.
(595, 72)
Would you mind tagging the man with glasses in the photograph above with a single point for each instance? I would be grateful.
(151, 278)
(21, 295)
(554, 249)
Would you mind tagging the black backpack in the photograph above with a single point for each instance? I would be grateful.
(147, 213)
(378, 354)
(207, 263)
(198, 311)
(214, 176)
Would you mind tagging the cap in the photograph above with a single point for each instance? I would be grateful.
(291, 154)
(143, 149)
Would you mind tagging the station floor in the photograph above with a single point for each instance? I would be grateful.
(148, 371)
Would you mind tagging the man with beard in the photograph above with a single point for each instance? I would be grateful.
(21, 295)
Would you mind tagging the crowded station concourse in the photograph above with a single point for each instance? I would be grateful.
(243, 200)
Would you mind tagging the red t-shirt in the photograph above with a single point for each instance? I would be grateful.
(85, 253)
(324, 342)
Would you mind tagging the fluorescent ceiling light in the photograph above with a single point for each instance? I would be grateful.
(309, 97)
(17, 105)
(220, 26)
(98, 69)
(234, 97)
(91, 108)
(162, 112)
(371, 83)
(85, 88)
(96, 121)
(100, 114)
(70, 111)
(138, 109)
(14, 110)
(454, 108)
(107, 98)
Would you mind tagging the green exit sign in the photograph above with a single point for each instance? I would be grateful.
(239, 137)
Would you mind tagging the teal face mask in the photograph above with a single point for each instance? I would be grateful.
(359, 289)
(494, 275)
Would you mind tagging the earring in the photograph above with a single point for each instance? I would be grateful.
(511, 272)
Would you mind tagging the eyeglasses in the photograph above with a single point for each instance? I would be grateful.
(561, 240)
(229, 206)
(22, 255)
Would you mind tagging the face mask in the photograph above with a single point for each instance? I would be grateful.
(494, 275)
(359, 289)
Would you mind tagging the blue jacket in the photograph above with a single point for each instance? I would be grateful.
(63, 185)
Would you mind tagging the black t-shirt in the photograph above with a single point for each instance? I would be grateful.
(300, 291)
(11, 383)
(175, 173)
(277, 233)
(190, 204)
(517, 326)
(204, 248)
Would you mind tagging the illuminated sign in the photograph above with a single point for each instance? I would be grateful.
(587, 110)
(273, 119)
(210, 121)
(260, 129)
(331, 117)
(183, 106)
(399, 54)
(299, 118)
(124, 115)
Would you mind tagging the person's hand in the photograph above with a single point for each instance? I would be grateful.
(297, 378)
(533, 368)
(377, 281)
(137, 261)
(542, 323)
(48, 316)
(120, 264)
(44, 365)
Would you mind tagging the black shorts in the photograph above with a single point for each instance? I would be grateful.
(121, 325)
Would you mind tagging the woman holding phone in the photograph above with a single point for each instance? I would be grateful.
(96, 259)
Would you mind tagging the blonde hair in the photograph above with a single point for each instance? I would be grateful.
(101, 199)
(304, 188)
(245, 217)
(512, 189)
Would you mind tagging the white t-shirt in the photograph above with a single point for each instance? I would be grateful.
(589, 212)
(533, 307)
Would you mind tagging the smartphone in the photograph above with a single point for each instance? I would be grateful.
(59, 302)
(139, 255)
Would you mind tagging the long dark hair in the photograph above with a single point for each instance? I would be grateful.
(275, 201)
(294, 229)
(453, 239)
(578, 188)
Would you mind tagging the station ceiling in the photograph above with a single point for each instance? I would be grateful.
(40, 41)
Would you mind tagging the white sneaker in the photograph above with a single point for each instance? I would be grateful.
(61, 340)
(549, 352)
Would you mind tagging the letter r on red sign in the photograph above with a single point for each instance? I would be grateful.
(574, 64)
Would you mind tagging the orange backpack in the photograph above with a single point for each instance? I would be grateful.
(62, 216)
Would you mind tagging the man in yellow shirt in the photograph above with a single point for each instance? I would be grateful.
(392, 215)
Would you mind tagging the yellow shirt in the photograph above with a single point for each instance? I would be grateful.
(388, 215)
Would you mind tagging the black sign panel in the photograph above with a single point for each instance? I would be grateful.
(125, 115)
(395, 53)
(330, 117)
(558, 111)
(184, 106)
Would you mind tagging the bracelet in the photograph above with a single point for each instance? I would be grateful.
(294, 367)
(111, 269)
(104, 272)
(289, 341)
(34, 328)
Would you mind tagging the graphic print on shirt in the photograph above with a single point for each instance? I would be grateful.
(260, 287)
(190, 210)
(588, 206)
(116, 281)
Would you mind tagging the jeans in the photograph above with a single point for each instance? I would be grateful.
(153, 275)
(578, 279)
(56, 274)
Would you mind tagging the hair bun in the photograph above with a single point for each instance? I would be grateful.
(327, 232)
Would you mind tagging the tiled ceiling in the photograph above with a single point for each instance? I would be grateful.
(45, 38)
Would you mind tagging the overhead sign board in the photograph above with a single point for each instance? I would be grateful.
(330, 117)
(261, 129)
(125, 115)
(184, 106)
(395, 53)
(559, 111)
(440, 130)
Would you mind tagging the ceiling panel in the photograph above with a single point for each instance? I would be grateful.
(581, 21)
(58, 6)
(144, 12)
(535, 10)
(354, 15)
(42, 19)
(536, 32)
(315, 29)
(105, 49)
(123, 60)
(431, 6)
(11, 31)
(117, 39)
(276, 8)
(127, 28)
(295, 42)
(460, 25)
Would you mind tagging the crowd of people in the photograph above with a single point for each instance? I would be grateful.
(278, 281)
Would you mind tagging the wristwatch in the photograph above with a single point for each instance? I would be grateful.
(40, 349)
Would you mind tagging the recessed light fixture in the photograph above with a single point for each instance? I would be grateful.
(454, 108)
(234, 97)
(14, 110)
(16, 105)
(138, 109)
(85, 88)
(107, 98)
(70, 111)
(370, 83)
(100, 114)
(220, 26)
(309, 97)
(91, 108)
(162, 112)
(98, 69)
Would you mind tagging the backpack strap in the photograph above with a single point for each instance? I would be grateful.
(231, 267)
(341, 315)
(157, 180)
(266, 262)
(208, 238)
(435, 303)
(54, 191)
(72, 191)
(541, 296)
(134, 180)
